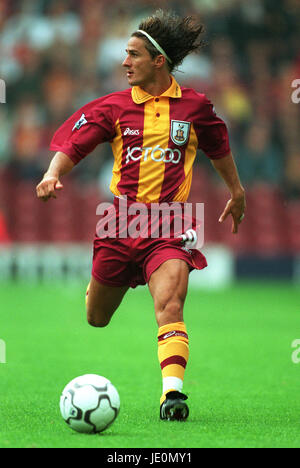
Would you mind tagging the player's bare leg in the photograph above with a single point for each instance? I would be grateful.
(168, 287)
(102, 302)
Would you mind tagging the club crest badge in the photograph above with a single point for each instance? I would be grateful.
(79, 123)
(180, 132)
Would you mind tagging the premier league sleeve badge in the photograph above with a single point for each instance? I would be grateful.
(79, 123)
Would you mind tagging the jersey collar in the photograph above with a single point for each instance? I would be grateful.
(140, 96)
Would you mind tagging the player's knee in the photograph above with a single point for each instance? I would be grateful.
(97, 320)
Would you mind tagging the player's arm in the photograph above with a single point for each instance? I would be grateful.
(235, 207)
(76, 138)
(60, 165)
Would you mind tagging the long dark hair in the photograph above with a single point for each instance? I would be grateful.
(177, 36)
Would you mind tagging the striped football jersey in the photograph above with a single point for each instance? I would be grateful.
(154, 139)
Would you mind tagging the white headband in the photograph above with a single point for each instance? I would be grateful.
(156, 45)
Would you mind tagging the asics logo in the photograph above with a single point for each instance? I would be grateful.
(167, 335)
(172, 333)
(157, 154)
(129, 131)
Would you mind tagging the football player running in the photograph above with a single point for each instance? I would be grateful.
(154, 128)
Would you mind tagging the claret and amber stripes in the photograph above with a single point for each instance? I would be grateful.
(154, 139)
(173, 354)
(173, 360)
(149, 167)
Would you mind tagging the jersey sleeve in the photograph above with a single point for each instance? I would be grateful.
(212, 132)
(84, 130)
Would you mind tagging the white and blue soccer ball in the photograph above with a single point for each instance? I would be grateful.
(89, 403)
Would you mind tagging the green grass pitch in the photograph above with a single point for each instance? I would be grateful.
(242, 385)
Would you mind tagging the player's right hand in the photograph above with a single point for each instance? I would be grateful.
(47, 187)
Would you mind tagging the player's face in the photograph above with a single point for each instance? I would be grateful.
(139, 64)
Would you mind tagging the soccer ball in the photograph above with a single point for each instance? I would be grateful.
(89, 403)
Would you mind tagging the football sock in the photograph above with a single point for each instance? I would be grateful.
(173, 354)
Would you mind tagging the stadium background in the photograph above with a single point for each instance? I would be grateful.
(56, 56)
(243, 373)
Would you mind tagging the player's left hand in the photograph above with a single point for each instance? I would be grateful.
(236, 208)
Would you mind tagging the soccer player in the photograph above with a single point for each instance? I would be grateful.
(154, 128)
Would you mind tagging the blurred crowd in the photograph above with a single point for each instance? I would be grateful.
(57, 55)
